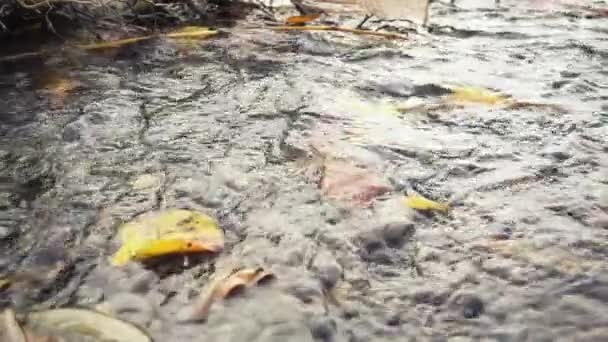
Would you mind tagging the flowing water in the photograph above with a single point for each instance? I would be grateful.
(226, 127)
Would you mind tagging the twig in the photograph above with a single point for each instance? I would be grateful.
(339, 29)
(48, 3)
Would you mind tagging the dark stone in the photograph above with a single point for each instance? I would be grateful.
(323, 328)
(396, 234)
(393, 320)
(70, 133)
(472, 307)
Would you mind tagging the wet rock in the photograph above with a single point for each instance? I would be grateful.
(349, 312)
(397, 234)
(600, 221)
(558, 153)
(469, 305)
(393, 319)
(500, 231)
(380, 256)
(132, 307)
(328, 269)
(307, 293)
(370, 242)
(71, 133)
(6, 232)
(89, 295)
(142, 282)
(323, 328)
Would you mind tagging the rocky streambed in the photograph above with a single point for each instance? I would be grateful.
(302, 146)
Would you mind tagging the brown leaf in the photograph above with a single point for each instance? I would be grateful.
(302, 19)
(224, 287)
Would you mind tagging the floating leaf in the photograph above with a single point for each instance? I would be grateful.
(175, 231)
(225, 286)
(419, 202)
(475, 95)
(302, 19)
(80, 324)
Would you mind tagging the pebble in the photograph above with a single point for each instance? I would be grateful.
(305, 292)
(470, 305)
(141, 283)
(323, 328)
(396, 234)
(500, 231)
(132, 307)
(89, 295)
(5, 232)
(558, 153)
(71, 133)
(328, 269)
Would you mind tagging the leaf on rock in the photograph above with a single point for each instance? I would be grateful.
(302, 19)
(87, 325)
(419, 202)
(475, 95)
(226, 286)
(174, 231)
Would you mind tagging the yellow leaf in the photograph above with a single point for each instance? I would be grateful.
(188, 32)
(302, 19)
(191, 32)
(475, 95)
(174, 231)
(421, 203)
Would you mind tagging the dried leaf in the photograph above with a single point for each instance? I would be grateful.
(174, 231)
(224, 287)
(419, 202)
(475, 95)
(302, 19)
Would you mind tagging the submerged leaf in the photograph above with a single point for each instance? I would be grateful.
(223, 287)
(191, 32)
(475, 95)
(188, 32)
(114, 43)
(174, 231)
(419, 202)
(82, 324)
(56, 86)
